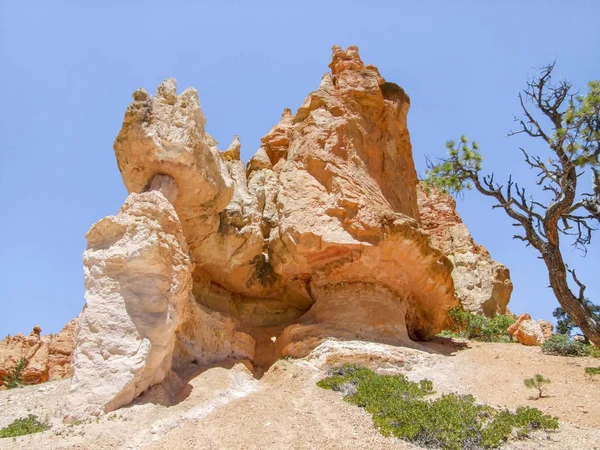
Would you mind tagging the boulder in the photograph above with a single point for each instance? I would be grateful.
(530, 332)
(482, 285)
(513, 328)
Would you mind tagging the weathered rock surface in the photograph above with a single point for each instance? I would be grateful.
(381, 357)
(547, 329)
(317, 237)
(329, 196)
(530, 332)
(137, 278)
(47, 357)
(482, 285)
(511, 330)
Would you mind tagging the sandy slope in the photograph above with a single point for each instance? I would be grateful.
(229, 409)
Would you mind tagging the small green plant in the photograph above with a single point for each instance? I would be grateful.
(82, 422)
(561, 344)
(478, 327)
(401, 408)
(592, 371)
(13, 380)
(537, 382)
(263, 271)
(23, 426)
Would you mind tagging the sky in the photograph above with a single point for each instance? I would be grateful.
(68, 69)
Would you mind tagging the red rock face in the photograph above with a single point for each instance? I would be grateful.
(482, 284)
(48, 357)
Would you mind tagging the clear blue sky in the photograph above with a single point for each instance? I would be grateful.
(67, 70)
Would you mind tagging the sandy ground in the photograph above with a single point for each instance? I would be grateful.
(226, 408)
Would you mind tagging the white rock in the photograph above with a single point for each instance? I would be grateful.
(137, 277)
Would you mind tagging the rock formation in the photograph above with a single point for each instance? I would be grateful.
(317, 237)
(482, 285)
(47, 357)
(530, 332)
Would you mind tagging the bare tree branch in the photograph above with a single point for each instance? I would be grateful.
(574, 140)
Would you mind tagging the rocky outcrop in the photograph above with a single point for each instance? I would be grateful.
(137, 277)
(317, 237)
(46, 357)
(530, 332)
(482, 285)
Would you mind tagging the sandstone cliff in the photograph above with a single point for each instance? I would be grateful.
(318, 236)
(482, 285)
(47, 357)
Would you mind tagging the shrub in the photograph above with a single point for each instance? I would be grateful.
(478, 327)
(400, 408)
(592, 371)
(23, 426)
(13, 380)
(537, 382)
(561, 344)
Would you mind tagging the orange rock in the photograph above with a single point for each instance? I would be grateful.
(513, 328)
(482, 285)
(48, 357)
(530, 332)
(327, 205)
(36, 370)
(15, 348)
(60, 352)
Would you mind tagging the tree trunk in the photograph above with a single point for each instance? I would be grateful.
(580, 315)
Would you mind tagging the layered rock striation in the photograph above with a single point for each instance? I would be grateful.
(319, 236)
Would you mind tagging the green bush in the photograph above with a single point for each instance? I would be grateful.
(13, 380)
(592, 371)
(561, 344)
(400, 408)
(23, 426)
(478, 327)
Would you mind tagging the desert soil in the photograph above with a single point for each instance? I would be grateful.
(227, 408)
